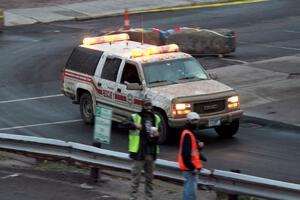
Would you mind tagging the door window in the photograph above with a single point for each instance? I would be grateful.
(130, 74)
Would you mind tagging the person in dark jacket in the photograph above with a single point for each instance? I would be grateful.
(143, 147)
(190, 156)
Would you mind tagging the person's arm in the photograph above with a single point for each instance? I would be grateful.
(128, 124)
(200, 147)
(153, 139)
(202, 157)
(186, 152)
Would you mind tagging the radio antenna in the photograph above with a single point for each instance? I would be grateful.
(142, 30)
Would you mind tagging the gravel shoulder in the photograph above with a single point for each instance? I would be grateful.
(32, 179)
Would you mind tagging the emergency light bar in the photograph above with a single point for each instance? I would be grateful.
(154, 50)
(105, 39)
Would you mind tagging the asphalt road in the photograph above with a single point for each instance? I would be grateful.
(33, 56)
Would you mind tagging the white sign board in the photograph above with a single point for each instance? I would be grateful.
(102, 127)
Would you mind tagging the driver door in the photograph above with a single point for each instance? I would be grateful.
(131, 74)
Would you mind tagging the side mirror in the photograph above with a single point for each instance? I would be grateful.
(213, 76)
(134, 86)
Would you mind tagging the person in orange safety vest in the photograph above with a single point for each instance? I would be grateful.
(190, 156)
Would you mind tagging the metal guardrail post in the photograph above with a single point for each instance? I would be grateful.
(234, 196)
(95, 171)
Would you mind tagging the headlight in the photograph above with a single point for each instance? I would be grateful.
(233, 102)
(233, 99)
(182, 108)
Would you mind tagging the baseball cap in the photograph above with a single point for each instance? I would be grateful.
(193, 116)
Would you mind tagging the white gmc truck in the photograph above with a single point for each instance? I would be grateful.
(119, 73)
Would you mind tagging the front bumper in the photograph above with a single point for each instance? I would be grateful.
(225, 118)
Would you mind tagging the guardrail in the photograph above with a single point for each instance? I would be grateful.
(229, 182)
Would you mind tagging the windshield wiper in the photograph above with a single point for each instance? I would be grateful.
(163, 82)
(187, 77)
(191, 77)
(158, 81)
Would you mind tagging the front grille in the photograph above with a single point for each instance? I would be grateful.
(209, 107)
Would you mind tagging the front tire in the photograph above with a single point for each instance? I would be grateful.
(164, 128)
(86, 108)
(227, 131)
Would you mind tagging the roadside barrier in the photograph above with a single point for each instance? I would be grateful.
(203, 41)
(194, 41)
(218, 180)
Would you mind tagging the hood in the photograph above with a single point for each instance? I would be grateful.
(189, 89)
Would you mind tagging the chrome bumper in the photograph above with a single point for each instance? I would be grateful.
(204, 121)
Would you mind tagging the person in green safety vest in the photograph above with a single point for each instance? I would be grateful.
(143, 147)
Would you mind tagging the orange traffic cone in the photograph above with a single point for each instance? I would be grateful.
(126, 20)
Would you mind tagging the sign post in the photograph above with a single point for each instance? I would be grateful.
(102, 133)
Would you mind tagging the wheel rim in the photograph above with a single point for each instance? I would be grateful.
(87, 108)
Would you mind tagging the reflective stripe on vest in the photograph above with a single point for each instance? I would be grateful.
(157, 123)
(194, 153)
(195, 156)
(134, 135)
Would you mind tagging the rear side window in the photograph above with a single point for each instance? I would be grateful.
(84, 60)
(111, 68)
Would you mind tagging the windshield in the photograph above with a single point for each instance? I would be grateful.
(173, 71)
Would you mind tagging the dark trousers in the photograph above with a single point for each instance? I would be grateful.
(148, 166)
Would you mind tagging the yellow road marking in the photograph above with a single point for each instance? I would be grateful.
(197, 6)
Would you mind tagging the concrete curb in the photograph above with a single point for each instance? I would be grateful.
(97, 9)
(267, 90)
(271, 123)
